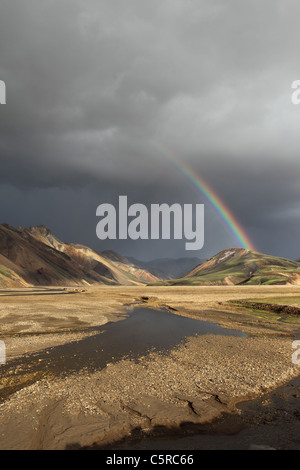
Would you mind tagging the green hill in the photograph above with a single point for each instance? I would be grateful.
(237, 266)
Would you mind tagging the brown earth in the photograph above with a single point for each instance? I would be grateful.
(171, 393)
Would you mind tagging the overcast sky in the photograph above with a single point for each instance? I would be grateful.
(94, 85)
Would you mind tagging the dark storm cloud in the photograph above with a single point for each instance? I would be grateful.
(92, 86)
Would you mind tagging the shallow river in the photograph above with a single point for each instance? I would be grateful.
(143, 330)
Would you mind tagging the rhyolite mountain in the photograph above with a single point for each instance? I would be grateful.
(238, 266)
(35, 257)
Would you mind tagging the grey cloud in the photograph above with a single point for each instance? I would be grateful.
(93, 85)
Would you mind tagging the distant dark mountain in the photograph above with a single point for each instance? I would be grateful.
(239, 266)
(168, 268)
(34, 256)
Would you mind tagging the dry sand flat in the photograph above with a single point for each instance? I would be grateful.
(195, 383)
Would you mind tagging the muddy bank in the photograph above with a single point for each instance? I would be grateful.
(201, 380)
(190, 386)
(270, 422)
(132, 337)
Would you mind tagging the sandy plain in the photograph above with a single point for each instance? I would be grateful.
(180, 392)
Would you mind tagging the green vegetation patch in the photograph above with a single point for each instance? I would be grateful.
(283, 311)
(293, 300)
(6, 272)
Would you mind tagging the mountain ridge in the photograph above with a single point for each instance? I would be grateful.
(238, 266)
(169, 268)
(34, 256)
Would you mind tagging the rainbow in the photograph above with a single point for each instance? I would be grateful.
(212, 197)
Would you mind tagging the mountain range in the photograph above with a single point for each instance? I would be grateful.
(33, 256)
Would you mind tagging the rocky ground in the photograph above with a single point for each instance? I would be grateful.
(160, 394)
